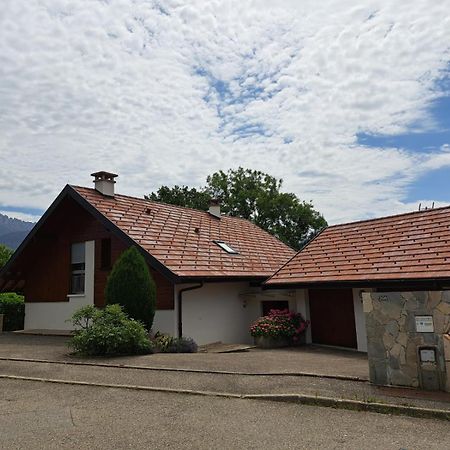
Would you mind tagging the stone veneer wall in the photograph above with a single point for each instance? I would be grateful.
(392, 340)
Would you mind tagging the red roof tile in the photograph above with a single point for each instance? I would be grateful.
(169, 234)
(407, 246)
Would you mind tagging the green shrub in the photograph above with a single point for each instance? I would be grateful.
(131, 285)
(164, 343)
(5, 254)
(13, 308)
(107, 332)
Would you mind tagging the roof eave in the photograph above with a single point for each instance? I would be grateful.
(63, 194)
(367, 283)
(221, 279)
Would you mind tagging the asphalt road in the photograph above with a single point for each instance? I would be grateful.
(36, 415)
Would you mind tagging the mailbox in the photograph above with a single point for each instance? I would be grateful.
(429, 373)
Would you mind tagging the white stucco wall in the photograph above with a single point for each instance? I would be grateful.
(53, 315)
(302, 306)
(216, 312)
(224, 311)
(165, 322)
(360, 320)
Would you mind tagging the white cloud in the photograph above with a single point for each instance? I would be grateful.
(166, 92)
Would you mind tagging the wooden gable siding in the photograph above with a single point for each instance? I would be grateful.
(46, 260)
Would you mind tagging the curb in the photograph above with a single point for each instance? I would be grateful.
(353, 405)
(122, 386)
(177, 369)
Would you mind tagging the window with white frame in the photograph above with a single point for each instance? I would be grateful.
(77, 267)
(226, 247)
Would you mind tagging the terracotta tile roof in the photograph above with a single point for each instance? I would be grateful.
(182, 239)
(407, 246)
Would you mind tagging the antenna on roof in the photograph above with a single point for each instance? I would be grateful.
(426, 207)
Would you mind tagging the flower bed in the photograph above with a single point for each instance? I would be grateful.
(278, 328)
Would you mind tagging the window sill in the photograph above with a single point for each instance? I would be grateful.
(75, 295)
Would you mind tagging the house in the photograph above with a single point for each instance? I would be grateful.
(399, 264)
(207, 267)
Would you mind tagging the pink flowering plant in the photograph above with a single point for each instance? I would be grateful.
(280, 323)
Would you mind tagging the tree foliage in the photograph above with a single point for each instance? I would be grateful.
(182, 196)
(131, 286)
(5, 254)
(255, 196)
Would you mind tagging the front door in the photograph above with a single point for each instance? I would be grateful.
(332, 317)
(267, 305)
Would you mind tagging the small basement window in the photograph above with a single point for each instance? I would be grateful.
(226, 247)
(77, 267)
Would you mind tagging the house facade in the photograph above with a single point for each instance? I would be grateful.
(208, 268)
(345, 267)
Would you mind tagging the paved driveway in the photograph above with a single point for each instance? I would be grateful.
(310, 359)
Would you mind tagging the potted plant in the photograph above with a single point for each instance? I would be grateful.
(280, 328)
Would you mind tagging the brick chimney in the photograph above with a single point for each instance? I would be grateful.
(214, 208)
(104, 182)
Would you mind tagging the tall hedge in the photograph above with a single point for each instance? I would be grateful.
(13, 308)
(131, 286)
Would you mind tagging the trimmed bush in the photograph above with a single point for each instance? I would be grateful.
(163, 343)
(108, 332)
(131, 286)
(12, 306)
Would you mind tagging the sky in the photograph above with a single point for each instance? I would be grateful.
(348, 102)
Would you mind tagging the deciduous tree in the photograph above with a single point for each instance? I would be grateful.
(253, 195)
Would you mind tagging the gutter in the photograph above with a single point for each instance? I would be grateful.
(180, 305)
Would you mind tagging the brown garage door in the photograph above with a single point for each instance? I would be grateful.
(332, 317)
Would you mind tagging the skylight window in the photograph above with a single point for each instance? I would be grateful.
(226, 247)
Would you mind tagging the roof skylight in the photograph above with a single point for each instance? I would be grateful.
(226, 247)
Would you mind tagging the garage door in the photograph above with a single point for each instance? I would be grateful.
(332, 317)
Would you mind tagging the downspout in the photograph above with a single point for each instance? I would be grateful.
(180, 307)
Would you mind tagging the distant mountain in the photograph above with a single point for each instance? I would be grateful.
(13, 231)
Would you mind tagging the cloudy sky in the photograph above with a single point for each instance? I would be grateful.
(347, 101)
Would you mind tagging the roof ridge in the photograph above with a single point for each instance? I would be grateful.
(196, 210)
(410, 213)
(153, 201)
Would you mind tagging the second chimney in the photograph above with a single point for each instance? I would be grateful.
(104, 182)
(214, 208)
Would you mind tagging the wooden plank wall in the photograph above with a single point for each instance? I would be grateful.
(45, 262)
